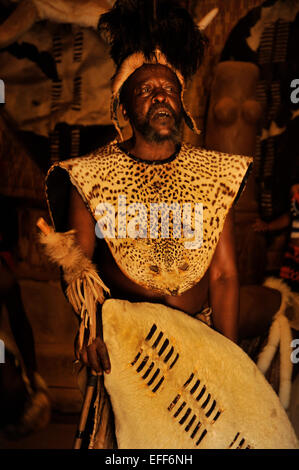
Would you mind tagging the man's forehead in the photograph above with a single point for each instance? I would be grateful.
(152, 71)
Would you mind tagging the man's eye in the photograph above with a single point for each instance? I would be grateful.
(171, 89)
(144, 90)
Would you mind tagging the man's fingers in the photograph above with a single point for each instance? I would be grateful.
(103, 355)
(96, 356)
(89, 358)
(83, 356)
(93, 359)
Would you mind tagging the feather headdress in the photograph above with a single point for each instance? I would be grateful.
(151, 32)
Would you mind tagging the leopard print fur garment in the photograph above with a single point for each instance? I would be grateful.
(201, 181)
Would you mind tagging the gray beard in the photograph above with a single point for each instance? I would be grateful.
(151, 135)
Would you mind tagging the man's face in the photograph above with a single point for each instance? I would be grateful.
(152, 103)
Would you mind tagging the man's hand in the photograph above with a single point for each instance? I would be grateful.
(96, 356)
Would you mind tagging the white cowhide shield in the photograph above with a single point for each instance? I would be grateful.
(177, 384)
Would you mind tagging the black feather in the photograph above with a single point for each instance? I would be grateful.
(137, 26)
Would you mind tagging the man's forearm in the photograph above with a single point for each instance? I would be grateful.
(224, 299)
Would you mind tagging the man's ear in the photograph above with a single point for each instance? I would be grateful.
(124, 112)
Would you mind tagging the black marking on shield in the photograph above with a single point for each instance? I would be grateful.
(234, 440)
(209, 403)
(195, 387)
(180, 408)
(158, 384)
(189, 380)
(151, 332)
(169, 354)
(190, 416)
(216, 416)
(183, 419)
(175, 360)
(210, 411)
(147, 372)
(157, 340)
(186, 416)
(187, 428)
(206, 401)
(136, 358)
(142, 364)
(201, 393)
(201, 437)
(239, 442)
(194, 432)
(154, 376)
(162, 345)
(174, 402)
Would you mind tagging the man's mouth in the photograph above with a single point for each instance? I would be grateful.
(161, 114)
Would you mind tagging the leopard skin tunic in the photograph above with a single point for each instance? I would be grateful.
(167, 251)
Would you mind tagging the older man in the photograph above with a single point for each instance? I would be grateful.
(186, 262)
(151, 101)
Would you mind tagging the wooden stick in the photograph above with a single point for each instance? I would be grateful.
(43, 226)
(91, 384)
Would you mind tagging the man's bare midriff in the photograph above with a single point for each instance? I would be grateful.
(191, 301)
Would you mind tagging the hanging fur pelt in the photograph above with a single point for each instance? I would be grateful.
(146, 25)
(280, 336)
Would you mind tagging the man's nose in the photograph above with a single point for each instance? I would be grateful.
(159, 96)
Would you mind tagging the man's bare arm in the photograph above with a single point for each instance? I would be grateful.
(80, 219)
(224, 284)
